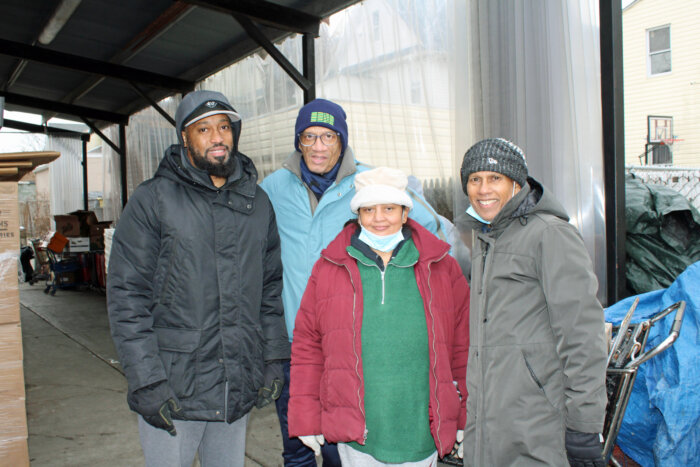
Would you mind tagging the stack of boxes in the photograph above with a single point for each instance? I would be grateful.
(13, 419)
(83, 230)
(13, 415)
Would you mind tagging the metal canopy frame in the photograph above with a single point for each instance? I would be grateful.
(264, 23)
(150, 86)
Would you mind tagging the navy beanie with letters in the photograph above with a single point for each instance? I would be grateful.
(495, 155)
(320, 112)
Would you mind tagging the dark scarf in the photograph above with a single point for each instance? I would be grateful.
(319, 183)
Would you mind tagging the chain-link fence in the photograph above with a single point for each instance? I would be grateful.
(686, 181)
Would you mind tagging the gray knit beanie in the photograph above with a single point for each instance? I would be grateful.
(495, 155)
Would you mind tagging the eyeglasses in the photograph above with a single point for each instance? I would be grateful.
(309, 139)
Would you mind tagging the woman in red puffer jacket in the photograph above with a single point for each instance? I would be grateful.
(381, 337)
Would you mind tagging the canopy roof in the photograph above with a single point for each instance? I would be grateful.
(102, 60)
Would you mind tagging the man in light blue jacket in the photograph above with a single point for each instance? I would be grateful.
(311, 196)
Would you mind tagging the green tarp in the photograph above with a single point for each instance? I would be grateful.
(663, 235)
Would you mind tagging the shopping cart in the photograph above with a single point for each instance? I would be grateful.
(41, 258)
(624, 358)
(64, 271)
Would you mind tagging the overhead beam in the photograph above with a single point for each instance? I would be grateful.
(154, 104)
(256, 34)
(267, 13)
(104, 137)
(43, 129)
(61, 108)
(90, 66)
(170, 17)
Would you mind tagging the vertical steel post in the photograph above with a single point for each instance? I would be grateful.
(309, 63)
(85, 175)
(613, 146)
(122, 162)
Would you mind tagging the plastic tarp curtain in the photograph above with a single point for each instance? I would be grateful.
(661, 425)
(111, 176)
(529, 71)
(421, 81)
(66, 174)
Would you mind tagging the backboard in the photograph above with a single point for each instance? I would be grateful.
(659, 128)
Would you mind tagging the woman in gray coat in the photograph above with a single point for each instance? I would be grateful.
(537, 356)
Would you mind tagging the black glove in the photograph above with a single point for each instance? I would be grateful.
(584, 449)
(156, 403)
(272, 386)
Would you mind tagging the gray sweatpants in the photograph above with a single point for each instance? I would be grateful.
(219, 444)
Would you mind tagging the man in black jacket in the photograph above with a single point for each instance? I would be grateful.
(193, 293)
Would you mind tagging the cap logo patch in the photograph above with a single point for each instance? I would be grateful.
(491, 160)
(322, 117)
(211, 104)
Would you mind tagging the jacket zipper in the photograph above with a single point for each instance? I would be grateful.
(480, 371)
(432, 318)
(483, 278)
(354, 349)
(532, 373)
(382, 274)
(226, 401)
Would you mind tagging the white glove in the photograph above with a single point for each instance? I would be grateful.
(315, 442)
(460, 444)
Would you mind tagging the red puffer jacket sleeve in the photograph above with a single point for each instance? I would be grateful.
(304, 412)
(460, 344)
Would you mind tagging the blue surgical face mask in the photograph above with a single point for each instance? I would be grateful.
(385, 243)
(472, 212)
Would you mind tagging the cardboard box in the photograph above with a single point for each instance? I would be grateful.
(9, 252)
(13, 429)
(13, 415)
(67, 225)
(97, 230)
(86, 219)
(14, 452)
(13, 412)
(12, 399)
(97, 243)
(97, 239)
(78, 244)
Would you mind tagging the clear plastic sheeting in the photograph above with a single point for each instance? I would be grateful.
(111, 176)
(386, 62)
(148, 135)
(66, 174)
(530, 72)
(421, 81)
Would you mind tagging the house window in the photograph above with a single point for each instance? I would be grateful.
(659, 49)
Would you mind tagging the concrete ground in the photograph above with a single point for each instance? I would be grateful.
(76, 394)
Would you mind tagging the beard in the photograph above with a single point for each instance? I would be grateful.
(223, 166)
